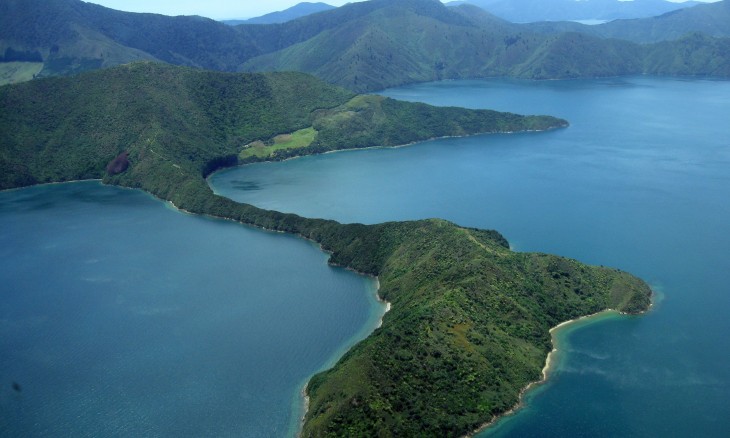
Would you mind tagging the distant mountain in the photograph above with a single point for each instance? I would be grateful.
(422, 40)
(527, 11)
(70, 36)
(711, 19)
(297, 11)
(362, 46)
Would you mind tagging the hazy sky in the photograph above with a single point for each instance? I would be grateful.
(216, 9)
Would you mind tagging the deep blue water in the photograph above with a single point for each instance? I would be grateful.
(120, 316)
(639, 181)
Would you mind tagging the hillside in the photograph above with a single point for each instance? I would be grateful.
(405, 42)
(470, 319)
(70, 36)
(201, 118)
(712, 19)
(416, 41)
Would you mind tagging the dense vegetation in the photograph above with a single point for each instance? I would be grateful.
(200, 120)
(366, 46)
(470, 319)
(421, 40)
(467, 331)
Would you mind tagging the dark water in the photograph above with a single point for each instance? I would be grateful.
(121, 317)
(640, 181)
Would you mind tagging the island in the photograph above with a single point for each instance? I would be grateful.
(469, 325)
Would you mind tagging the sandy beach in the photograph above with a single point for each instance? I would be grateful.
(549, 363)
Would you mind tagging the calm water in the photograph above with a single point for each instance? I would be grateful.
(640, 181)
(121, 317)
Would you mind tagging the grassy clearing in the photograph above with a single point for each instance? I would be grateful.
(295, 140)
(14, 72)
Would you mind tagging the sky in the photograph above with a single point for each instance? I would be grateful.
(216, 9)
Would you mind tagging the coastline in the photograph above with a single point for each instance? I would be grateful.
(55, 184)
(303, 394)
(550, 362)
(397, 146)
(550, 358)
(304, 400)
(304, 397)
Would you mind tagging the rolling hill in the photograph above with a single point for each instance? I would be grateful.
(297, 11)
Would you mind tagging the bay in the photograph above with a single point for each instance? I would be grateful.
(121, 316)
(639, 181)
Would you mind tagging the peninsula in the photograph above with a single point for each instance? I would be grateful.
(470, 319)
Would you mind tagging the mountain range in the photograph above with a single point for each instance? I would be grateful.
(369, 45)
(419, 40)
(527, 11)
(297, 11)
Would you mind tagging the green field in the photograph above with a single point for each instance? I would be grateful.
(296, 140)
(14, 72)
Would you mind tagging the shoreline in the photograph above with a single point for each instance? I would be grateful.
(549, 364)
(397, 146)
(304, 395)
(58, 183)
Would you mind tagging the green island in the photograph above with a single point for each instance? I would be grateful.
(470, 319)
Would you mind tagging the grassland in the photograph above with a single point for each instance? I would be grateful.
(282, 142)
(15, 72)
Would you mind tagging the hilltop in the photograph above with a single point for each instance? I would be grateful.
(297, 11)
(470, 319)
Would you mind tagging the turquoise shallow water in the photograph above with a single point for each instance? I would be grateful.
(639, 181)
(123, 317)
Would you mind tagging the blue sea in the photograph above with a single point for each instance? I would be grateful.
(121, 316)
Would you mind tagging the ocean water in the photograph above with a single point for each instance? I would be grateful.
(120, 316)
(639, 181)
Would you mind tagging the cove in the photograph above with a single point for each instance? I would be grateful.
(639, 181)
(121, 316)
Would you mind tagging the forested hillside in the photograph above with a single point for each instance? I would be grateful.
(60, 129)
